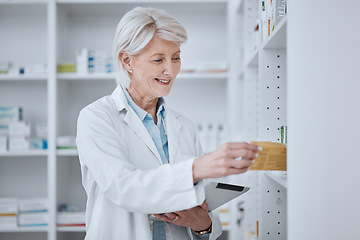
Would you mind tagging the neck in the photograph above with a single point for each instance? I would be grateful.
(146, 103)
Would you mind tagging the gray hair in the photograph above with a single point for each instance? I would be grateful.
(135, 30)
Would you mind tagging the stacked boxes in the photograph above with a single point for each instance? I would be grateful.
(224, 214)
(8, 212)
(24, 212)
(19, 136)
(92, 61)
(33, 212)
(15, 132)
(9, 117)
(98, 62)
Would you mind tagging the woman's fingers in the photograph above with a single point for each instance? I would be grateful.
(204, 205)
(243, 163)
(241, 145)
(171, 216)
(167, 217)
(230, 158)
(243, 154)
(239, 150)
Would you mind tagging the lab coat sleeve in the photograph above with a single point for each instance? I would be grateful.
(103, 153)
(216, 227)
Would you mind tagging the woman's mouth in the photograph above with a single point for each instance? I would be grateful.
(163, 81)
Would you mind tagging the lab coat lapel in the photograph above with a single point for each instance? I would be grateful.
(139, 129)
(173, 133)
(134, 121)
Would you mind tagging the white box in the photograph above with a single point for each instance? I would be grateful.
(10, 114)
(39, 68)
(19, 143)
(71, 218)
(3, 143)
(66, 142)
(41, 130)
(8, 205)
(4, 67)
(27, 205)
(8, 222)
(82, 60)
(37, 143)
(33, 219)
(20, 128)
(4, 129)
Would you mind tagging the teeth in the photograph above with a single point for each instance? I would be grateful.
(163, 81)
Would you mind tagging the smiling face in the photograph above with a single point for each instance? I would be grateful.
(154, 70)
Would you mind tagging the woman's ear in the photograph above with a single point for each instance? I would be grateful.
(125, 60)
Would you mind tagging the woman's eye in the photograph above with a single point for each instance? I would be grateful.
(176, 59)
(158, 60)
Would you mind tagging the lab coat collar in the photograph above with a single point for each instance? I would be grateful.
(172, 126)
(160, 108)
(133, 121)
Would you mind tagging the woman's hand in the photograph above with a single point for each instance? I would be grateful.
(196, 218)
(228, 159)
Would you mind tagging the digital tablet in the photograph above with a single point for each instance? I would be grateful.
(217, 194)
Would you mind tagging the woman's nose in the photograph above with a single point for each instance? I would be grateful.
(170, 68)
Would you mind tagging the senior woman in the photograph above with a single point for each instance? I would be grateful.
(138, 157)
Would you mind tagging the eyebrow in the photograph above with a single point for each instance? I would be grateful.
(164, 54)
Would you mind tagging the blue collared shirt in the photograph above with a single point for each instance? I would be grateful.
(157, 132)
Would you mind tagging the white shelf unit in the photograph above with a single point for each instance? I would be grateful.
(24, 153)
(54, 29)
(24, 41)
(24, 229)
(260, 110)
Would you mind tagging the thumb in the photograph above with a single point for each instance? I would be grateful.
(204, 205)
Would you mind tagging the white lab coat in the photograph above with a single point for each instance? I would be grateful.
(124, 177)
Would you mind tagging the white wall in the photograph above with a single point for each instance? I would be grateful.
(323, 119)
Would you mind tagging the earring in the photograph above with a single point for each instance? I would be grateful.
(130, 71)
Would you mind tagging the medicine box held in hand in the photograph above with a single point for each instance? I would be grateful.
(271, 157)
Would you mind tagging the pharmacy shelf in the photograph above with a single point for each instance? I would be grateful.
(29, 153)
(5, 77)
(93, 76)
(148, 1)
(278, 38)
(22, 1)
(267, 198)
(67, 152)
(62, 26)
(25, 229)
(111, 76)
(71, 229)
(278, 176)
